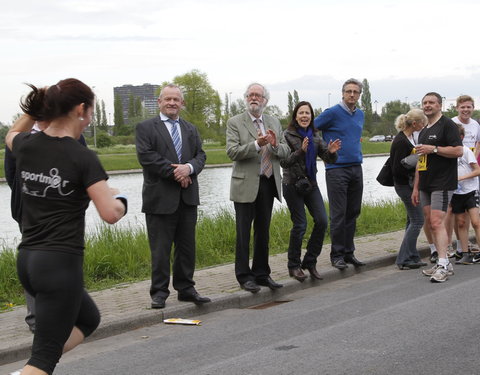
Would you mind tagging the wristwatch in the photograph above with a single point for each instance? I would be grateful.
(435, 150)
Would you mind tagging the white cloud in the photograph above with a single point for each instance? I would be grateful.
(312, 46)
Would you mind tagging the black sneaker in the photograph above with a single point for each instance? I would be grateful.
(434, 257)
(458, 254)
(476, 258)
(466, 259)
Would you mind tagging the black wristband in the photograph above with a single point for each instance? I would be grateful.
(123, 198)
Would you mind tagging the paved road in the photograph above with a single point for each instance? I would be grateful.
(378, 322)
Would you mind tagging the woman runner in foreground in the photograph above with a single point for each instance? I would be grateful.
(59, 177)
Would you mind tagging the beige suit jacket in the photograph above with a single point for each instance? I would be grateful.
(241, 136)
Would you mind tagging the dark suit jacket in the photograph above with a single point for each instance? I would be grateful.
(155, 151)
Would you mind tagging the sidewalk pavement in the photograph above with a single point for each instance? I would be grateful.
(127, 306)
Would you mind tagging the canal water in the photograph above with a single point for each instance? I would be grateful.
(214, 196)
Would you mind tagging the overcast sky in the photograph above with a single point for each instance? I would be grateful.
(403, 48)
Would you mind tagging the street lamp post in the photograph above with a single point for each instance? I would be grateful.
(329, 99)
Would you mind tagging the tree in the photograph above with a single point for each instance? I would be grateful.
(273, 110)
(366, 105)
(296, 100)
(237, 107)
(290, 104)
(202, 103)
(293, 100)
(97, 120)
(390, 112)
(117, 114)
(103, 139)
(451, 112)
(104, 123)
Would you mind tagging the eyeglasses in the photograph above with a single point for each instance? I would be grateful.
(253, 95)
(350, 92)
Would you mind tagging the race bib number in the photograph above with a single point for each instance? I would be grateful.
(422, 162)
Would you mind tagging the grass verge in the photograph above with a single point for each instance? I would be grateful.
(114, 255)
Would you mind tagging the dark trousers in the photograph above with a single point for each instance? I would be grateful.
(164, 231)
(260, 212)
(296, 204)
(345, 189)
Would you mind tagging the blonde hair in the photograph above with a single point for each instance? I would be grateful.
(465, 98)
(403, 122)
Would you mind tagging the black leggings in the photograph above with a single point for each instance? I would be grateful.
(55, 279)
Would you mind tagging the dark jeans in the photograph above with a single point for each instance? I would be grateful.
(296, 204)
(408, 249)
(345, 189)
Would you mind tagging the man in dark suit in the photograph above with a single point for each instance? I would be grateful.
(256, 144)
(170, 152)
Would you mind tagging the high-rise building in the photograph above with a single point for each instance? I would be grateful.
(146, 92)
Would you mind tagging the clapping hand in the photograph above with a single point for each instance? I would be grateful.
(334, 146)
(305, 144)
(271, 137)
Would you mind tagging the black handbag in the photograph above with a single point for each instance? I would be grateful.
(303, 186)
(385, 177)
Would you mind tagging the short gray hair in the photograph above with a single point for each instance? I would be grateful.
(353, 81)
(266, 94)
(171, 86)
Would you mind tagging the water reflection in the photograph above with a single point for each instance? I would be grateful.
(214, 195)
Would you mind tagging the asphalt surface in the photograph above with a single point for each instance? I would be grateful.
(378, 322)
(127, 307)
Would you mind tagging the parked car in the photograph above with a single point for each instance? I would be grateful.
(377, 138)
(388, 138)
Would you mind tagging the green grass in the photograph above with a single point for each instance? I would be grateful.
(119, 162)
(114, 255)
(375, 147)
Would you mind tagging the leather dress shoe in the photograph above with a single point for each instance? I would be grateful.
(340, 264)
(269, 282)
(313, 272)
(158, 303)
(352, 260)
(250, 286)
(297, 273)
(194, 297)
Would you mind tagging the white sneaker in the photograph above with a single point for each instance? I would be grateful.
(431, 271)
(18, 372)
(450, 251)
(440, 275)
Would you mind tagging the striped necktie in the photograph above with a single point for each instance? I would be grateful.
(177, 141)
(266, 168)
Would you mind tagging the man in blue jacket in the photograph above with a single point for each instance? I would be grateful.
(344, 178)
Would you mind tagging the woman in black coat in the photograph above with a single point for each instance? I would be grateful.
(402, 146)
(300, 189)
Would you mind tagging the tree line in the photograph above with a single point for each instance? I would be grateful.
(205, 109)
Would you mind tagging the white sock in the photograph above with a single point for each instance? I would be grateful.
(432, 248)
(459, 246)
(443, 262)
